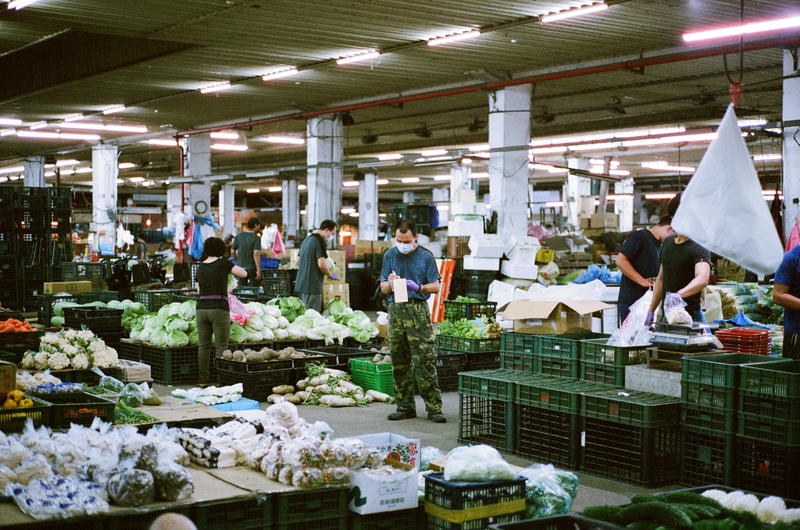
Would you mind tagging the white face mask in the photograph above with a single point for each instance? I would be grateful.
(329, 239)
(405, 248)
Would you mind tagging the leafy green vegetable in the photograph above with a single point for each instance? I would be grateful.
(466, 299)
(176, 339)
(336, 307)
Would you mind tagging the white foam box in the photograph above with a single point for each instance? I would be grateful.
(434, 246)
(467, 208)
(502, 293)
(486, 246)
(518, 270)
(378, 493)
(640, 377)
(457, 227)
(481, 264)
(465, 196)
(531, 244)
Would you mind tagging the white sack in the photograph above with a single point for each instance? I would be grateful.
(723, 208)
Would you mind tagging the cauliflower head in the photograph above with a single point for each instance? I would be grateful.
(27, 360)
(70, 350)
(40, 360)
(58, 361)
(80, 362)
(106, 358)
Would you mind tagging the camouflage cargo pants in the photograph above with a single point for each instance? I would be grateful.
(413, 355)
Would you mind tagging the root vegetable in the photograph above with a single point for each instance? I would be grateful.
(323, 389)
(302, 384)
(380, 396)
(319, 380)
(378, 358)
(386, 360)
(292, 398)
(283, 389)
(348, 385)
(303, 395)
(337, 401)
(274, 398)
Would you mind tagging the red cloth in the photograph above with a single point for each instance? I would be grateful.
(794, 237)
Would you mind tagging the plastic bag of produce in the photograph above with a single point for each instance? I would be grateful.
(427, 455)
(633, 332)
(172, 482)
(133, 487)
(132, 395)
(109, 383)
(548, 491)
(479, 463)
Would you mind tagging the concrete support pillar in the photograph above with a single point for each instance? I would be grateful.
(791, 150)
(290, 211)
(197, 162)
(575, 189)
(33, 172)
(104, 196)
(510, 128)
(368, 208)
(459, 180)
(226, 210)
(324, 151)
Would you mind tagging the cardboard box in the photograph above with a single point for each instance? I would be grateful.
(486, 246)
(8, 377)
(374, 493)
(528, 271)
(383, 330)
(552, 318)
(607, 220)
(586, 222)
(481, 264)
(67, 287)
(335, 290)
(363, 247)
(339, 258)
(393, 446)
(458, 227)
(380, 247)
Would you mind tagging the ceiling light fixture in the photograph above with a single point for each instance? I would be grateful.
(447, 39)
(369, 139)
(302, 212)
(665, 166)
(434, 152)
(554, 204)
(746, 29)
(354, 214)
(598, 170)
(479, 176)
(302, 187)
(10, 121)
(126, 165)
(758, 158)
(443, 207)
(166, 143)
(466, 161)
(442, 178)
(127, 128)
(136, 179)
(480, 147)
(358, 57)
(754, 122)
(19, 4)
(600, 162)
(225, 135)
(216, 88)
(573, 12)
(350, 184)
(65, 163)
(659, 196)
(120, 181)
(56, 136)
(279, 74)
(346, 210)
(38, 125)
(13, 169)
(7, 132)
(229, 147)
(81, 170)
(113, 110)
(274, 189)
(390, 156)
(253, 190)
(81, 126)
(272, 139)
(74, 117)
(381, 182)
(410, 180)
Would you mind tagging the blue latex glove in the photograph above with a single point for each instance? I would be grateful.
(673, 299)
(335, 277)
(649, 319)
(413, 286)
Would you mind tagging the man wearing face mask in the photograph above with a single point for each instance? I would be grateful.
(410, 332)
(312, 267)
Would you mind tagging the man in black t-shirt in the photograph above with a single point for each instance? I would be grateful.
(313, 266)
(638, 261)
(246, 250)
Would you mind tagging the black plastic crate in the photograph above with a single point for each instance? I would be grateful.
(94, 318)
(59, 221)
(245, 367)
(394, 520)
(306, 506)
(707, 457)
(129, 350)
(75, 271)
(30, 221)
(10, 294)
(486, 421)
(8, 238)
(97, 296)
(45, 303)
(283, 274)
(154, 300)
(239, 513)
(571, 521)
(645, 456)
(129, 520)
(299, 364)
(258, 385)
(275, 287)
(9, 268)
(172, 365)
(13, 420)
(768, 467)
(461, 495)
(32, 198)
(483, 361)
(454, 310)
(447, 370)
(79, 408)
(59, 198)
(20, 342)
(548, 436)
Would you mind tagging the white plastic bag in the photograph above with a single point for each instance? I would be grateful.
(479, 463)
(592, 290)
(633, 332)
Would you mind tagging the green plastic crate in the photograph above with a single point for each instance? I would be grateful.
(711, 419)
(156, 299)
(372, 376)
(708, 395)
(631, 407)
(597, 351)
(554, 393)
(493, 384)
(719, 370)
(518, 342)
(768, 406)
(465, 345)
(557, 366)
(773, 430)
(97, 296)
(239, 513)
(565, 346)
(603, 373)
(776, 379)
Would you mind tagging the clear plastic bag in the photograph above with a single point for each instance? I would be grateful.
(633, 332)
(109, 383)
(674, 310)
(427, 454)
(545, 494)
(132, 395)
(479, 463)
(133, 487)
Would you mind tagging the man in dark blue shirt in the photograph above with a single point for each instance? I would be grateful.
(313, 266)
(411, 340)
(786, 293)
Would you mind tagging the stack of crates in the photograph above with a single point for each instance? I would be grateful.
(486, 408)
(603, 363)
(83, 272)
(631, 436)
(420, 214)
(456, 354)
(768, 432)
(481, 354)
(560, 355)
(317, 508)
(709, 391)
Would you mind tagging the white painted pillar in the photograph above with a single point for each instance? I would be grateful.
(791, 150)
(33, 172)
(574, 190)
(291, 210)
(510, 127)
(324, 152)
(368, 208)
(197, 162)
(459, 180)
(104, 196)
(624, 207)
(226, 210)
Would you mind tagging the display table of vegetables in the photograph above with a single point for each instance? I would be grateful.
(131, 311)
(70, 349)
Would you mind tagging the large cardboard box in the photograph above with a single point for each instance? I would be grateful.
(607, 220)
(586, 223)
(339, 258)
(335, 290)
(380, 247)
(8, 377)
(67, 287)
(378, 493)
(551, 318)
(393, 446)
(363, 247)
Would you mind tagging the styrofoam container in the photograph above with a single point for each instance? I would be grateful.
(435, 247)
(481, 264)
(467, 208)
(464, 228)
(515, 270)
(524, 254)
(486, 246)
(502, 293)
(465, 196)
(514, 242)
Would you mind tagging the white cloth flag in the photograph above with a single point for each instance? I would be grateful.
(723, 208)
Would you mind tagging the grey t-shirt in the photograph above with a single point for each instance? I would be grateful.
(309, 277)
(245, 244)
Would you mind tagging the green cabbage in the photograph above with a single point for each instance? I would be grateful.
(238, 334)
(194, 340)
(176, 323)
(177, 339)
(336, 307)
(57, 322)
(138, 308)
(187, 309)
(233, 283)
(58, 308)
(158, 337)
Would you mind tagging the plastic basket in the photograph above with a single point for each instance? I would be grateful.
(708, 396)
(518, 343)
(775, 379)
(311, 505)
(718, 420)
(597, 351)
(59, 198)
(59, 221)
(569, 521)
(395, 520)
(245, 367)
(129, 350)
(94, 318)
(603, 373)
(239, 513)
(483, 361)
(707, 457)
(566, 346)
(486, 421)
(418, 213)
(79, 408)
(494, 384)
(13, 420)
(557, 366)
(548, 436)
(372, 376)
(20, 342)
(172, 365)
(769, 429)
(454, 310)
(45, 303)
(718, 370)
(463, 344)
(275, 287)
(554, 393)
(270, 263)
(155, 300)
(97, 296)
(258, 385)
(631, 407)
(74, 271)
(447, 369)
(446, 499)
(9, 268)
(457, 246)
(768, 467)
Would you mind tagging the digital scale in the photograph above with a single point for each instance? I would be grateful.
(698, 336)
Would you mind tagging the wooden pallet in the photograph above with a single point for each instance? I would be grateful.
(670, 360)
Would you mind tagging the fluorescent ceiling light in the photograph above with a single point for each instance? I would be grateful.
(765, 158)
(443, 207)
(558, 170)
(216, 88)
(410, 180)
(746, 29)
(381, 215)
(127, 165)
(148, 183)
(74, 117)
(10, 121)
(301, 187)
(229, 147)
(354, 214)
(434, 152)
(112, 110)
(120, 181)
(598, 170)
(275, 188)
(554, 204)
(479, 176)
(466, 161)
(65, 163)
(71, 136)
(7, 132)
(658, 196)
(619, 197)
(82, 170)
(83, 126)
(279, 74)
(350, 184)
(253, 190)
(359, 57)
(3, 179)
(381, 182)
(13, 169)
(573, 12)
(273, 139)
(447, 39)
(38, 125)
(390, 156)
(601, 162)
(19, 4)
(13, 177)
(754, 122)
(302, 212)
(36, 134)
(477, 148)
(127, 128)
(225, 135)
(664, 166)
(136, 179)
(442, 178)
(347, 210)
(544, 167)
(169, 143)
(630, 133)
